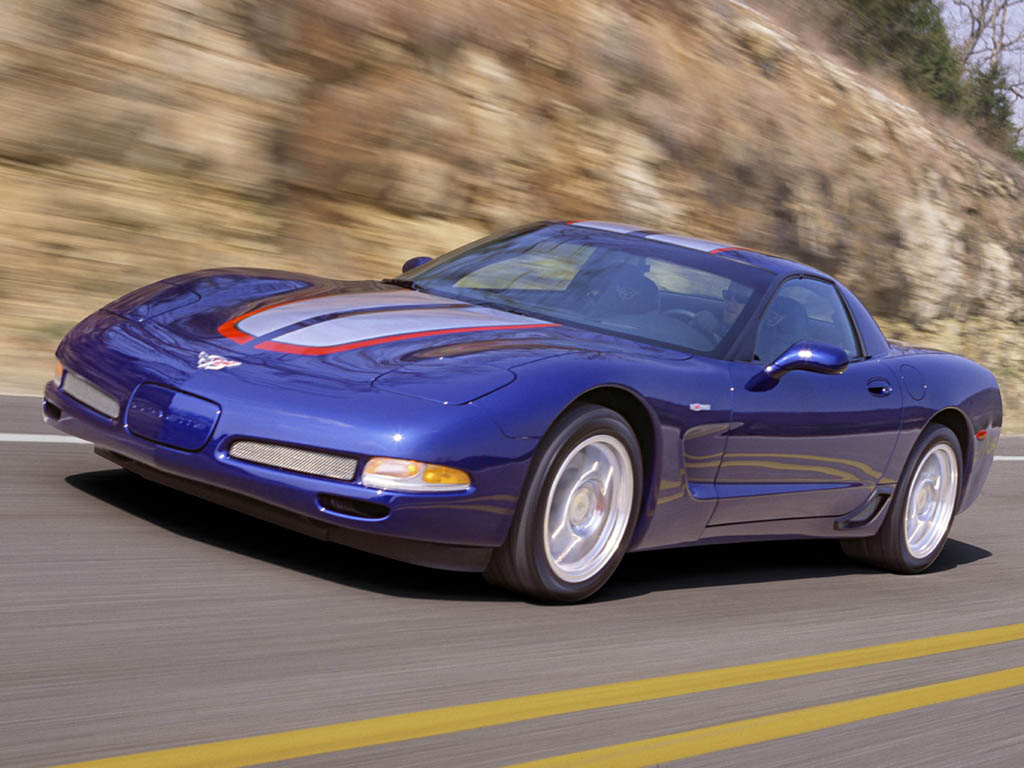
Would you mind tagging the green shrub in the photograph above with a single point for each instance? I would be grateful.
(987, 106)
(907, 36)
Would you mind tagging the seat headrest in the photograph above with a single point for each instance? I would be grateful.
(631, 292)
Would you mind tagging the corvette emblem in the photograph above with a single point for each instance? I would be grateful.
(700, 406)
(208, 362)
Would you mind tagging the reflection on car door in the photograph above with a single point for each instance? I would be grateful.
(815, 444)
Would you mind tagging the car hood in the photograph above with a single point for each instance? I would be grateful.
(267, 327)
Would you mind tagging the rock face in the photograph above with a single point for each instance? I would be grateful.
(142, 139)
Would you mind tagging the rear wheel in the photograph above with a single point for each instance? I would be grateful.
(919, 520)
(577, 512)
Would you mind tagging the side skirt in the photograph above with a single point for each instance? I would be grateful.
(862, 522)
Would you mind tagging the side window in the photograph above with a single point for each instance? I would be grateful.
(804, 309)
(708, 304)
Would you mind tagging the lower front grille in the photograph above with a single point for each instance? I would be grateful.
(304, 460)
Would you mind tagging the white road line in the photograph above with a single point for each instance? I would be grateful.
(23, 437)
(1008, 458)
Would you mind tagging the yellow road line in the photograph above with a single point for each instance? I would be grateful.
(741, 733)
(304, 742)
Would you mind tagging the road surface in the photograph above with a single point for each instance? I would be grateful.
(134, 619)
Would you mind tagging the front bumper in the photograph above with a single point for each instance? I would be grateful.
(454, 530)
(446, 556)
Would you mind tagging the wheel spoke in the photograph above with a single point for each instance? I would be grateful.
(917, 526)
(607, 481)
(589, 471)
(574, 541)
(559, 533)
(562, 540)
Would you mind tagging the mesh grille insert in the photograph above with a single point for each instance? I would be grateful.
(88, 393)
(302, 460)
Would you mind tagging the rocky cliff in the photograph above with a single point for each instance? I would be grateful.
(146, 138)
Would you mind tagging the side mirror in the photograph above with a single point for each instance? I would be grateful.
(415, 261)
(801, 356)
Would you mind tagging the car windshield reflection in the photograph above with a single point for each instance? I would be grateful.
(629, 286)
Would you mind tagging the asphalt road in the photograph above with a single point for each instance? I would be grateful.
(134, 618)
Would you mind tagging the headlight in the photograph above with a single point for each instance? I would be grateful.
(408, 475)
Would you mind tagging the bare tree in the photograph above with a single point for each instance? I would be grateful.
(989, 34)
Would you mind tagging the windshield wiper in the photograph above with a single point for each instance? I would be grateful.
(511, 308)
(514, 309)
(403, 282)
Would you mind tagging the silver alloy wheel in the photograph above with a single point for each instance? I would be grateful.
(931, 500)
(588, 508)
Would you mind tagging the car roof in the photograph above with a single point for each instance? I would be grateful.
(776, 264)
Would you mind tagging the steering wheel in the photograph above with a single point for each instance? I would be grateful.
(685, 315)
(707, 334)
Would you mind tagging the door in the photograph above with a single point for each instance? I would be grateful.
(814, 445)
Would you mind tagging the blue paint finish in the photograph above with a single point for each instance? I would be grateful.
(811, 429)
(723, 462)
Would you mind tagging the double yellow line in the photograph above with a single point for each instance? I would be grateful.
(305, 742)
(742, 733)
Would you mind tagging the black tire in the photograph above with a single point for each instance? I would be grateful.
(888, 548)
(522, 564)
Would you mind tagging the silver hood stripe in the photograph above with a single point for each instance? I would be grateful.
(369, 318)
(283, 315)
(348, 330)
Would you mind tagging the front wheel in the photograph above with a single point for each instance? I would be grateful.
(578, 509)
(918, 523)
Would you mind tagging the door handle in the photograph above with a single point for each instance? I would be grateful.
(879, 387)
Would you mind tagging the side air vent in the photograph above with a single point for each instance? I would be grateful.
(304, 460)
(353, 507)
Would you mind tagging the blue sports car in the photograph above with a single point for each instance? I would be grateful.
(538, 403)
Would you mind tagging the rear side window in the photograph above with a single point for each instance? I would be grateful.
(805, 309)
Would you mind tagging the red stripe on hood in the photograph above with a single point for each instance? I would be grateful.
(230, 328)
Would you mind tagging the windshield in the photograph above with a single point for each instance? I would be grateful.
(619, 284)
